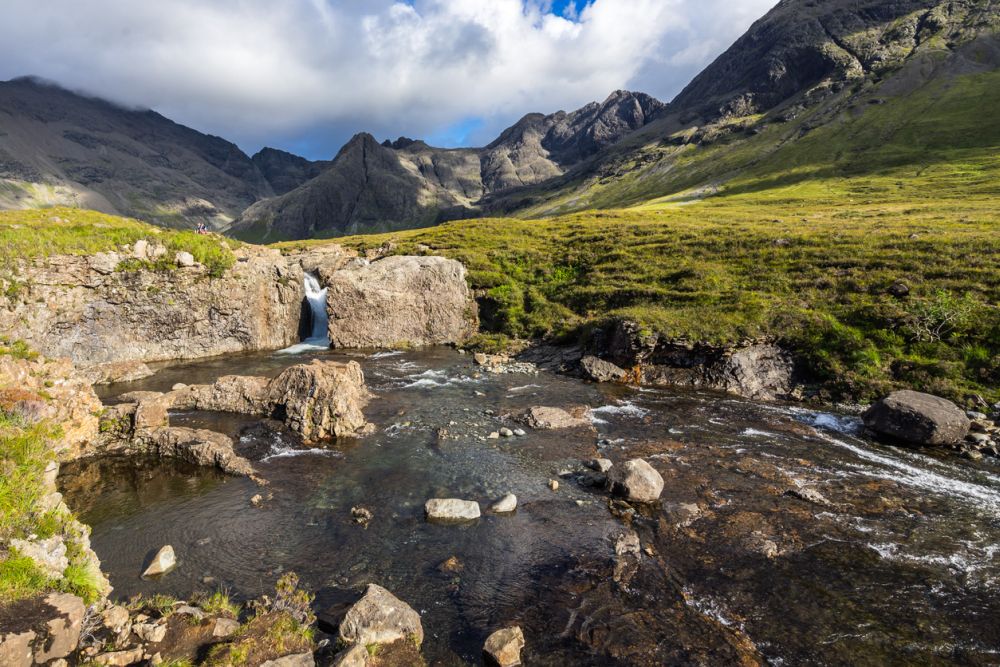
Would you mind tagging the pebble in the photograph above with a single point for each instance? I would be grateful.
(506, 433)
(519, 432)
(493, 436)
(554, 485)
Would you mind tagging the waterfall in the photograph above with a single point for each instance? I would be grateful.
(319, 335)
(316, 296)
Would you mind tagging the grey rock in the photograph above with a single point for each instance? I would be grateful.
(636, 480)
(506, 504)
(294, 660)
(379, 617)
(451, 509)
(164, 561)
(600, 370)
(918, 418)
(546, 418)
(185, 259)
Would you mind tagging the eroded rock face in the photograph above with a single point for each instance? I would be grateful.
(400, 300)
(379, 617)
(88, 309)
(918, 418)
(320, 400)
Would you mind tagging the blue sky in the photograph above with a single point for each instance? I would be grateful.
(305, 75)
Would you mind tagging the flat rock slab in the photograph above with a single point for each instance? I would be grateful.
(452, 509)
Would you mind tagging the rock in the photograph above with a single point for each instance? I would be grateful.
(48, 554)
(600, 370)
(506, 433)
(636, 480)
(917, 418)
(494, 435)
(542, 418)
(975, 416)
(116, 619)
(451, 509)
(15, 648)
(503, 647)
(162, 562)
(140, 249)
(225, 627)
(63, 629)
(400, 300)
(519, 432)
(361, 516)
(972, 455)
(320, 400)
(295, 660)
(188, 610)
(356, 656)
(899, 290)
(483, 359)
(184, 259)
(451, 566)
(505, 505)
(600, 465)
(150, 632)
(379, 617)
(201, 447)
(117, 371)
(808, 494)
(119, 658)
(554, 485)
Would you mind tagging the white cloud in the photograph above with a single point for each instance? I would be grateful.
(259, 70)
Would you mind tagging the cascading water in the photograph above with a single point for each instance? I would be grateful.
(318, 338)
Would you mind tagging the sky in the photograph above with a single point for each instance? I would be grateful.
(306, 75)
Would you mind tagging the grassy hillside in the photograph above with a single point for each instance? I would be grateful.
(71, 231)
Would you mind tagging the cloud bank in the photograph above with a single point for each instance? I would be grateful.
(306, 74)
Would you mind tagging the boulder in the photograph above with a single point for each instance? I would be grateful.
(294, 660)
(48, 554)
(400, 301)
(40, 630)
(543, 418)
(918, 418)
(162, 562)
(636, 480)
(451, 509)
(184, 259)
(201, 447)
(356, 656)
(379, 617)
(241, 394)
(320, 400)
(506, 504)
(600, 370)
(503, 647)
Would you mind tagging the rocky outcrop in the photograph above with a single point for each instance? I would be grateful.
(93, 310)
(917, 418)
(400, 301)
(41, 630)
(320, 400)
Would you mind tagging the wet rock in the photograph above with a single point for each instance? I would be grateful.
(201, 447)
(519, 432)
(164, 561)
(600, 465)
(295, 660)
(544, 418)
(505, 505)
(503, 647)
(379, 617)
(400, 300)
(451, 566)
(636, 480)
(600, 370)
(323, 399)
(808, 494)
(628, 554)
(451, 509)
(506, 433)
(917, 418)
(361, 516)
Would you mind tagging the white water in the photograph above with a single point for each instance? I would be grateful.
(319, 338)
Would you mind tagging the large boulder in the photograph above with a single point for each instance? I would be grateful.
(918, 418)
(379, 617)
(400, 301)
(636, 480)
(321, 400)
(40, 630)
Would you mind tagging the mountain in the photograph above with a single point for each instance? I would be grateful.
(406, 183)
(60, 147)
(839, 87)
(285, 171)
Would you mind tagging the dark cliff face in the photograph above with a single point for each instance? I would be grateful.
(285, 171)
(85, 151)
(802, 42)
(407, 183)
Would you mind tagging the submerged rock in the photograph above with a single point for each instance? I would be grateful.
(505, 505)
(636, 480)
(379, 617)
(918, 418)
(452, 509)
(162, 562)
(503, 647)
(544, 418)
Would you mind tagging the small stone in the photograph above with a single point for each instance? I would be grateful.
(452, 509)
(503, 647)
(115, 618)
(452, 565)
(494, 436)
(519, 432)
(554, 485)
(150, 632)
(257, 500)
(977, 416)
(972, 454)
(294, 660)
(163, 562)
(505, 505)
(178, 386)
(225, 627)
(188, 610)
(600, 465)
(506, 433)
(361, 516)
(185, 259)
(119, 658)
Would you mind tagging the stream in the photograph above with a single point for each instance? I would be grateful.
(781, 532)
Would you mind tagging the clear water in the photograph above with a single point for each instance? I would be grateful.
(895, 563)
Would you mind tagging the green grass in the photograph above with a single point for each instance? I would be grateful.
(20, 578)
(219, 603)
(71, 231)
(24, 453)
